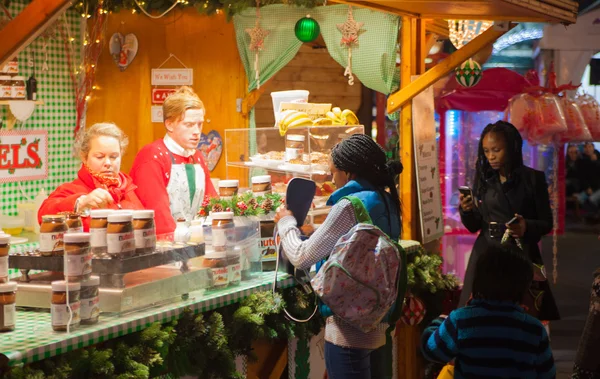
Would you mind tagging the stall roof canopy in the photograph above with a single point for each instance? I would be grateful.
(564, 11)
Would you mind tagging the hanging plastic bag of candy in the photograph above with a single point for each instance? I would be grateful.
(590, 109)
(553, 120)
(524, 113)
(577, 128)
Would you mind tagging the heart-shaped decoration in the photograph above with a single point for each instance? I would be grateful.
(123, 49)
(211, 146)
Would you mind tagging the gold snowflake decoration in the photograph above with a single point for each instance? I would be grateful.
(350, 29)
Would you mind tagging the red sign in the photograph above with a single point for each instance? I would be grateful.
(23, 155)
(160, 94)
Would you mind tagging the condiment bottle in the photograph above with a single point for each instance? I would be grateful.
(196, 232)
(182, 232)
(52, 231)
(120, 239)
(216, 261)
(144, 232)
(32, 88)
(90, 300)
(78, 256)
(228, 188)
(8, 299)
(98, 225)
(294, 147)
(4, 249)
(62, 309)
(261, 185)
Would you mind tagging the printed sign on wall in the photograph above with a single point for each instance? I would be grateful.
(172, 76)
(426, 160)
(23, 155)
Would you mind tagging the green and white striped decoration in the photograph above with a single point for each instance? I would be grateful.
(469, 73)
(57, 115)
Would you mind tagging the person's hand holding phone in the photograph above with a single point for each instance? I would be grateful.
(466, 202)
(517, 226)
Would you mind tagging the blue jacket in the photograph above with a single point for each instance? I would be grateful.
(378, 211)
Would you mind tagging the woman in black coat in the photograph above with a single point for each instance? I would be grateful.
(504, 189)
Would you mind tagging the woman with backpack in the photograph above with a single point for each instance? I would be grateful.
(360, 169)
(510, 205)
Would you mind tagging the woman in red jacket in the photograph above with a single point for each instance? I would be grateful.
(100, 182)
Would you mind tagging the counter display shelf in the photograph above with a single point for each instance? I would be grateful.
(34, 340)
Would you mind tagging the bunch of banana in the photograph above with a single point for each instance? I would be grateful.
(339, 117)
(291, 119)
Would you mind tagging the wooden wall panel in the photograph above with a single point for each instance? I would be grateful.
(205, 44)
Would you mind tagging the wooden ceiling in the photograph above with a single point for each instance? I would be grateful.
(562, 11)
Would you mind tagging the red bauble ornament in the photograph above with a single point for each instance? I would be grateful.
(414, 311)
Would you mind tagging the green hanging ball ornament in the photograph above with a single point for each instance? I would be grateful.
(307, 29)
(469, 73)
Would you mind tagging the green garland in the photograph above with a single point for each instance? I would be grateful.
(425, 273)
(245, 204)
(208, 7)
(203, 345)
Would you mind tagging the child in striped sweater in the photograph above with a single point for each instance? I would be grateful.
(493, 337)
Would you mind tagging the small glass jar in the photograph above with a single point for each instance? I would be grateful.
(294, 147)
(8, 300)
(98, 224)
(4, 249)
(5, 87)
(52, 231)
(144, 232)
(216, 262)
(222, 227)
(261, 185)
(228, 188)
(11, 67)
(61, 310)
(182, 232)
(74, 224)
(78, 256)
(90, 300)
(196, 232)
(120, 239)
(18, 88)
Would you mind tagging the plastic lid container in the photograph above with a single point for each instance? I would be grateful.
(215, 255)
(91, 282)
(11, 221)
(53, 218)
(120, 217)
(61, 286)
(143, 214)
(229, 183)
(261, 179)
(4, 238)
(221, 215)
(296, 137)
(76, 237)
(100, 213)
(8, 287)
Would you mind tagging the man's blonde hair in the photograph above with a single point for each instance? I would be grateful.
(180, 101)
(83, 145)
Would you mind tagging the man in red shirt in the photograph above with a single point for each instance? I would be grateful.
(170, 173)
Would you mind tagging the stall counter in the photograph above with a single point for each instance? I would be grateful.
(34, 340)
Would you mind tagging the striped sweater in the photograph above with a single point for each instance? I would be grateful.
(490, 340)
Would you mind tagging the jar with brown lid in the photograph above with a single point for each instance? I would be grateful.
(120, 239)
(78, 261)
(294, 147)
(18, 88)
(5, 87)
(228, 188)
(8, 300)
(90, 300)
(222, 225)
(74, 224)
(4, 249)
(52, 231)
(144, 232)
(261, 185)
(216, 262)
(65, 305)
(98, 224)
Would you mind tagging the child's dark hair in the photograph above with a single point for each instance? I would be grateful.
(502, 273)
(360, 155)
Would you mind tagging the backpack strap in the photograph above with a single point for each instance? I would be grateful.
(360, 212)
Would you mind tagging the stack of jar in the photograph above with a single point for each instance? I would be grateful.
(12, 85)
(122, 234)
(74, 303)
(223, 261)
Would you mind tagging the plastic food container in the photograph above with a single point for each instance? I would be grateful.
(12, 225)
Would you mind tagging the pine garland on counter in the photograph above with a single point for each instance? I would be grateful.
(245, 204)
(203, 345)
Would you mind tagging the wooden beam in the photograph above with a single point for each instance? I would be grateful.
(412, 89)
(250, 100)
(376, 7)
(439, 27)
(282, 361)
(28, 25)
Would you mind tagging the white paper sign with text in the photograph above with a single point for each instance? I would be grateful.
(172, 76)
(23, 155)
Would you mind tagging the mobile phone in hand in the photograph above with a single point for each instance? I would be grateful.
(465, 191)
